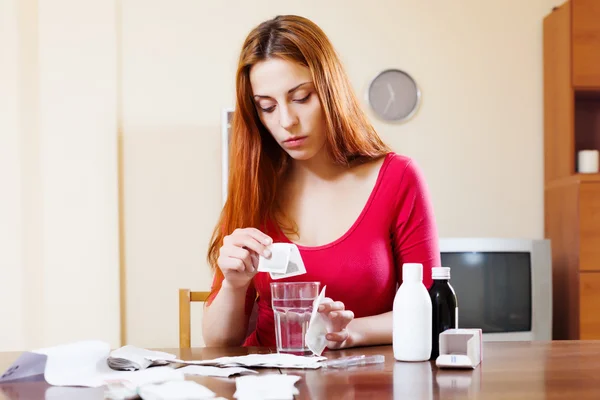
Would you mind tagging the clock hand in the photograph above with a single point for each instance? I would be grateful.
(391, 99)
(392, 94)
(389, 103)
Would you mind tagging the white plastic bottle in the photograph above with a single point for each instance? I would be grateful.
(412, 316)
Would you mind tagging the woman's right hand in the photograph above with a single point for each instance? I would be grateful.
(238, 257)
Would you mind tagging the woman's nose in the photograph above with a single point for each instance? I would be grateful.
(287, 118)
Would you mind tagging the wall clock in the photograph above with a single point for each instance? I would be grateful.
(393, 95)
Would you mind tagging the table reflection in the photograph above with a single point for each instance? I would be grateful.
(413, 380)
(41, 390)
(454, 382)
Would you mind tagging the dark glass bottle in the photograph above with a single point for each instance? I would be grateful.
(444, 307)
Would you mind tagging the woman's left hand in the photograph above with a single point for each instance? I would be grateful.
(339, 318)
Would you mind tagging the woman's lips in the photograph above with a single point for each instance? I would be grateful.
(295, 142)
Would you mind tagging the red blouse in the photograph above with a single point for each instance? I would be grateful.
(363, 267)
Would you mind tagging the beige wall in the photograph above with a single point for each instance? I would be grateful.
(59, 230)
(11, 280)
(163, 71)
(478, 134)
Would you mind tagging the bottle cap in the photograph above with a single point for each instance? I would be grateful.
(440, 273)
(412, 272)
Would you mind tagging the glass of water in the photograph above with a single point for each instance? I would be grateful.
(292, 306)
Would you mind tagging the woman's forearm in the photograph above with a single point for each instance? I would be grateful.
(370, 331)
(224, 322)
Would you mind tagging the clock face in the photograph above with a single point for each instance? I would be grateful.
(393, 95)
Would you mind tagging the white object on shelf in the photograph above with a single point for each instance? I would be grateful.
(587, 162)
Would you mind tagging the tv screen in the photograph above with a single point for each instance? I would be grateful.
(493, 289)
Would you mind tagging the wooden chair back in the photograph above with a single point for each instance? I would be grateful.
(186, 297)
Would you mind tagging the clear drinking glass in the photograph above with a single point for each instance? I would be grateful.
(292, 304)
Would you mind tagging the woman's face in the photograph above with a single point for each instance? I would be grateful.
(288, 106)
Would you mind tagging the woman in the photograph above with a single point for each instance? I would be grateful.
(308, 168)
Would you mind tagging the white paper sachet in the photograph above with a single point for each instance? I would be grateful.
(131, 378)
(266, 387)
(275, 360)
(205, 370)
(131, 358)
(82, 363)
(177, 390)
(295, 265)
(317, 327)
(115, 391)
(280, 257)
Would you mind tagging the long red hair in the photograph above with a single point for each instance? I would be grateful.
(257, 162)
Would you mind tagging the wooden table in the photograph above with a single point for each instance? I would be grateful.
(538, 370)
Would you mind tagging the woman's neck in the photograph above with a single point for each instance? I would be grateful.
(319, 169)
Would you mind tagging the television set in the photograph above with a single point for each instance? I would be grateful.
(503, 286)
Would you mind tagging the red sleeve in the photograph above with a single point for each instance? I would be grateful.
(415, 237)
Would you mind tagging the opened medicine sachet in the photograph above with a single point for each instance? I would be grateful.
(317, 328)
(280, 257)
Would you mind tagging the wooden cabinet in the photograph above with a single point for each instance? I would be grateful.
(586, 43)
(572, 200)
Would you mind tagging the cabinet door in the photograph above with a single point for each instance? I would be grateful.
(589, 226)
(586, 43)
(559, 144)
(589, 305)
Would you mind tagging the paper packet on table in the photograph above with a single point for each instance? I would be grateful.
(268, 386)
(82, 363)
(273, 360)
(207, 370)
(172, 390)
(182, 390)
(131, 358)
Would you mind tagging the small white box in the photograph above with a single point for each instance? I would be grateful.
(460, 348)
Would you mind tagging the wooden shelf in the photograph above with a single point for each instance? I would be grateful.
(569, 180)
(587, 177)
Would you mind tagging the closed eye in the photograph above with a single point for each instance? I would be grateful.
(268, 110)
(304, 99)
(272, 108)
